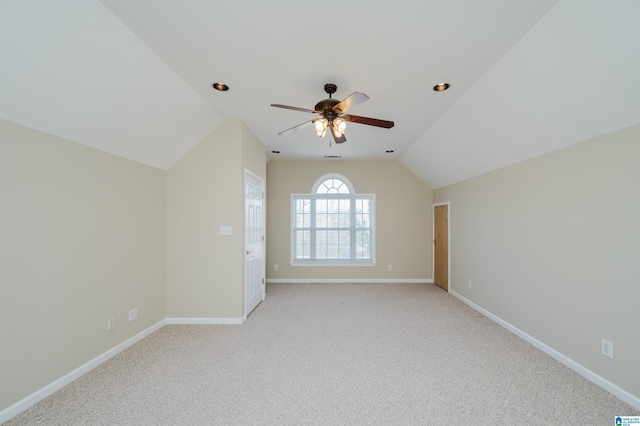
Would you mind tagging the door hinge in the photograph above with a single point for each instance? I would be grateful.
(263, 238)
(263, 281)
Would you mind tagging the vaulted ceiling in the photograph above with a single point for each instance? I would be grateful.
(134, 77)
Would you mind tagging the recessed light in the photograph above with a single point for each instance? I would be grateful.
(220, 86)
(389, 151)
(441, 87)
(275, 152)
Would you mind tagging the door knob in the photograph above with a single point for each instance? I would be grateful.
(248, 252)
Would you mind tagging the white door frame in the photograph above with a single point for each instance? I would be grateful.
(433, 246)
(249, 173)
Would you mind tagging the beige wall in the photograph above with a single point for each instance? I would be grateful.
(552, 246)
(205, 271)
(403, 218)
(82, 239)
(254, 154)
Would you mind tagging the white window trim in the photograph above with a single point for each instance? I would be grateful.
(351, 195)
(342, 178)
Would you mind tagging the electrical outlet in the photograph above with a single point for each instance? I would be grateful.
(111, 323)
(133, 314)
(606, 348)
(390, 267)
(469, 285)
(275, 267)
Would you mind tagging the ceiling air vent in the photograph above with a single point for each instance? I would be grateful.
(333, 156)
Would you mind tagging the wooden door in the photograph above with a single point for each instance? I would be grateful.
(441, 246)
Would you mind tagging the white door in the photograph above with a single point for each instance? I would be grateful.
(254, 241)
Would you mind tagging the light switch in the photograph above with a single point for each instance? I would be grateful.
(226, 230)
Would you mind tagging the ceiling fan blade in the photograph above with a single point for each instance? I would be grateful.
(368, 121)
(356, 98)
(295, 108)
(296, 128)
(339, 138)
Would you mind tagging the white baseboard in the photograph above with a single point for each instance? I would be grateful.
(622, 394)
(39, 395)
(349, 280)
(209, 321)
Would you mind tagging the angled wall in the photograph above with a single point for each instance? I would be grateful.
(82, 240)
(552, 247)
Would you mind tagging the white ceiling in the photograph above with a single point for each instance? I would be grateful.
(134, 77)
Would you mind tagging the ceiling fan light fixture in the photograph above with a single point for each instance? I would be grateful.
(441, 87)
(321, 126)
(340, 125)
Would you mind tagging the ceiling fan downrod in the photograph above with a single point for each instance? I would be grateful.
(326, 105)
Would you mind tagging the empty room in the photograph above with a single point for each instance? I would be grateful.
(338, 213)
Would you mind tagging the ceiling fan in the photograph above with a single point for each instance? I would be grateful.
(332, 115)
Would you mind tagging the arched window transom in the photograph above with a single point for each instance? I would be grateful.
(332, 184)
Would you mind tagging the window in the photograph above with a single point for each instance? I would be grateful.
(332, 225)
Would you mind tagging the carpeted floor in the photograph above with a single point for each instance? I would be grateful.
(334, 354)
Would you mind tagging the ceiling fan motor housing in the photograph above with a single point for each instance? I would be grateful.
(325, 106)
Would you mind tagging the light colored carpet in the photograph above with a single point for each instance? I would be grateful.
(334, 354)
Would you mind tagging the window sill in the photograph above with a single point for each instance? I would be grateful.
(330, 263)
